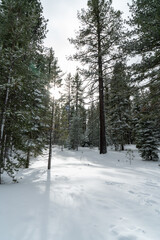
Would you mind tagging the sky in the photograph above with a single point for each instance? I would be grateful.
(63, 23)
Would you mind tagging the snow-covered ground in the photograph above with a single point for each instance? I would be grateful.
(86, 196)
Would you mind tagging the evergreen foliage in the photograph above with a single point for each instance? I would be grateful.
(144, 41)
(118, 113)
(147, 135)
(78, 116)
(23, 84)
(93, 125)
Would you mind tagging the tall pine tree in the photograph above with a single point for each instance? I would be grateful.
(23, 94)
(96, 43)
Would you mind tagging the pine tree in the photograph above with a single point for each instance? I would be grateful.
(154, 98)
(23, 95)
(118, 113)
(144, 41)
(93, 125)
(95, 42)
(147, 134)
(64, 125)
(66, 111)
(68, 99)
(77, 122)
(136, 104)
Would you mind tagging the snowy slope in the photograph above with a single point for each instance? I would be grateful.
(86, 196)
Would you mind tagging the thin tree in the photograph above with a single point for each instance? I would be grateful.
(54, 78)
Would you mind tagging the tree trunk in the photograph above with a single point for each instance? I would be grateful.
(28, 159)
(51, 138)
(4, 112)
(122, 147)
(3, 121)
(103, 148)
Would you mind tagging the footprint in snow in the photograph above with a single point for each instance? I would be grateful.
(151, 184)
(129, 237)
(131, 192)
(114, 183)
(150, 202)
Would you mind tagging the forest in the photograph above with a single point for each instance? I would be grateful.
(79, 150)
(112, 100)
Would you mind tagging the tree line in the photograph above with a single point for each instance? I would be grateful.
(109, 101)
(129, 94)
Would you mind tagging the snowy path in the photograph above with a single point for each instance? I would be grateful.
(86, 196)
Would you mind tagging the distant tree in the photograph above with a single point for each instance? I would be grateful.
(93, 125)
(136, 104)
(68, 98)
(66, 111)
(77, 125)
(63, 126)
(119, 107)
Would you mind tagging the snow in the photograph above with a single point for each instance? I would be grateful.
(85, 196)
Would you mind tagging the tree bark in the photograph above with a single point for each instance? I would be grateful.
(103, 147)
(3, 120)
(28, 159)
(51, 138)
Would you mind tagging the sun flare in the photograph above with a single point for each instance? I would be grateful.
(55, 93)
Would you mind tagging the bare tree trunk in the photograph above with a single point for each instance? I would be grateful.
(2, 156)
(28, 159)
(51, 137)
(69, 108)
(122, 147)
(4, 112)
(103, 148)
(3, 121)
